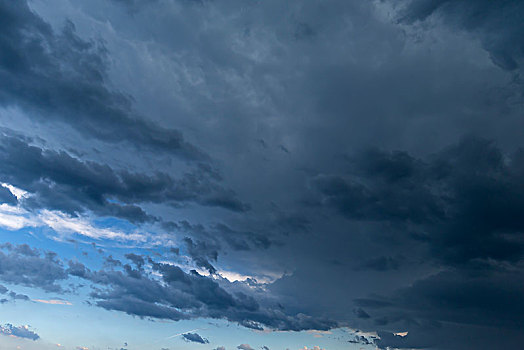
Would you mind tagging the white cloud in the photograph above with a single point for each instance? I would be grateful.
(17, 192)
(14, 217)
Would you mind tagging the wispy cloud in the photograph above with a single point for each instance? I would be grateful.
(54, 302)
(15, 217)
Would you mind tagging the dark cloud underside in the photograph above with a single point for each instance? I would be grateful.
(180, 295)
(195, 338)
(362, 160)
(60, 77)
(62, 182)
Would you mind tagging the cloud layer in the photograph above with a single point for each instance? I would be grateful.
(279, 165)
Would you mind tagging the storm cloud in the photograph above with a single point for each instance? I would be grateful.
(467, 201)
(498, 25)
(184, 295)
(60, 77)
(62, 182)
(295, 166)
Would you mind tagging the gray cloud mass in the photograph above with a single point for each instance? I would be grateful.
(195, 338)
(18, 331)
(59, 76)
(313, 165)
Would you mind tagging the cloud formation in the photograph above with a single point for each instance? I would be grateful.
(62, 182)
(18, 331)
(464, 205)
(497, 25)
(30, 267)
(244, 347)
(62, 78)
(314, 153)
(195, 338)
(183, 295)
(466, 200)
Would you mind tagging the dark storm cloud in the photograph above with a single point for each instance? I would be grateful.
(482, 295)
(60, 77)
(382, 263)
(456, 213)
(28, 267)
(388, 339)
(203, 244)
(378, 201)
(62, 182)
(477, 297)
(498, 24)
(303, 84)
(195, 338)
(451, 337)
(360, 313)
(467, 201)
(136, 5)
(18, 331)
(321, 73)
(464, 208)
(242, 240)
(182, 295)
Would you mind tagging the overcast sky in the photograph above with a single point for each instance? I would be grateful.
(261, 174)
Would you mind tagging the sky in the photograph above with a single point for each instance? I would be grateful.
(261, 174)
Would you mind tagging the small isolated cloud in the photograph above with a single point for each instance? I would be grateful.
(82, 348)
(313, 348)
(244, 347)
(195, 338)
(19, 332)
(220, 348)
